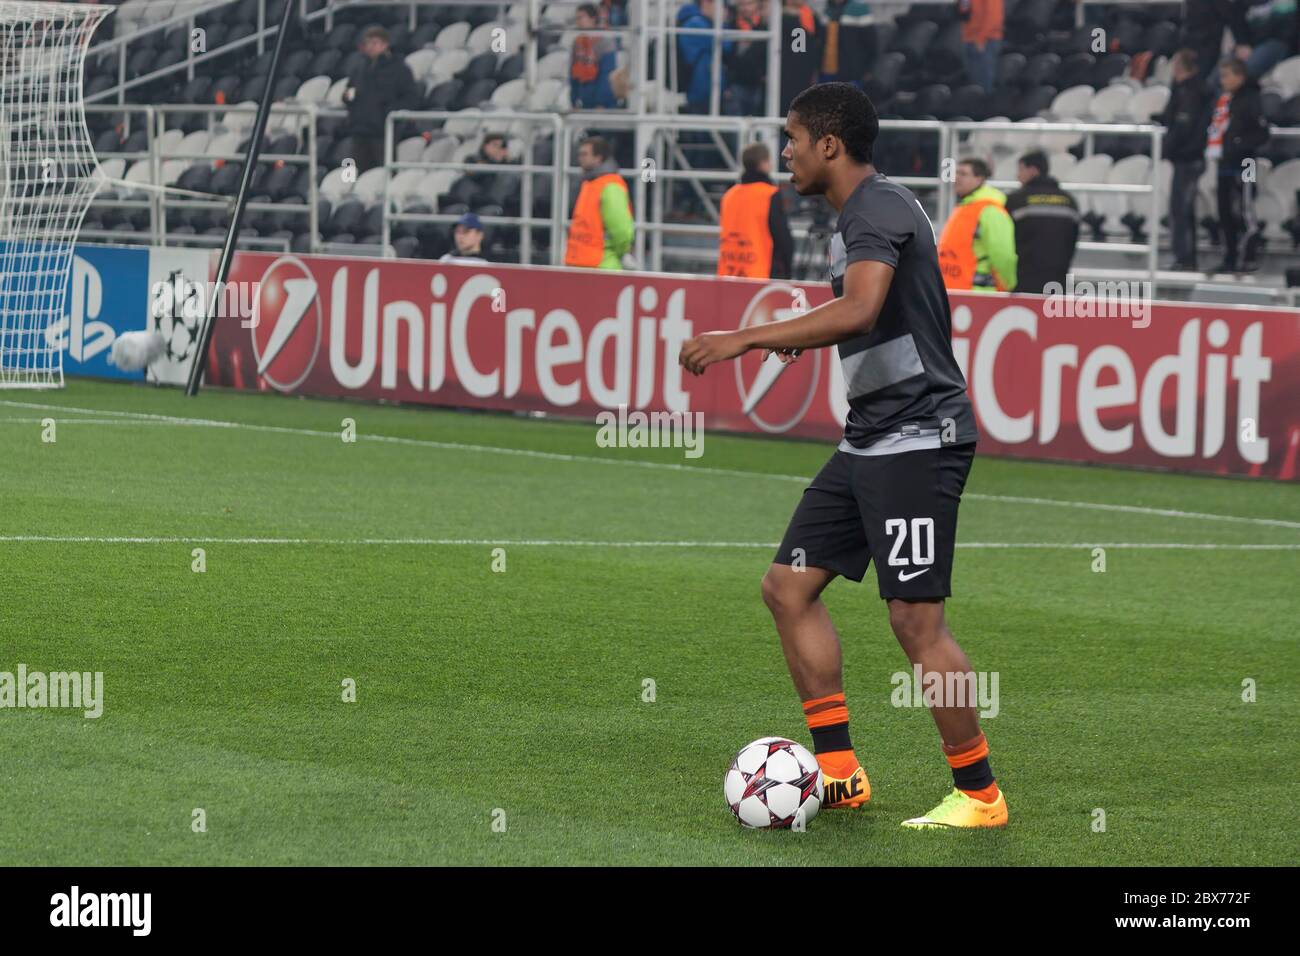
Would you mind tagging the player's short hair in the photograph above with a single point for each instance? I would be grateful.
(1187, 59)
(376, 32)
(590, 10)
(977, 166)
(599, 146)
(493, 137)
(1233, 65)
(754, 155)
(843, 111)
(1035, 159)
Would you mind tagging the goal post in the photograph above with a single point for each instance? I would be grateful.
(48, 177)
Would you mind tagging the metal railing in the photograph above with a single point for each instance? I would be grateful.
(656, 141)
(119, 46)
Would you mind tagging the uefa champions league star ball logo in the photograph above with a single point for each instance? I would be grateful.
(774, 395)
(177, 315)
(287, 325)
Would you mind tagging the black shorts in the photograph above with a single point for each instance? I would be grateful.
(899, 510)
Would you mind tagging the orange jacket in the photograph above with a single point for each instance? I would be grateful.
(586, 246)
(984, 22)
(745, 247)
(957, 246)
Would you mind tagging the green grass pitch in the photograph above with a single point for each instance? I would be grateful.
(521, 691)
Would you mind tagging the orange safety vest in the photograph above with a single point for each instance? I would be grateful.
(745, 248)
(957, 246)
(586, 247)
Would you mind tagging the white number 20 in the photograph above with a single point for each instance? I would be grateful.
(922, 540)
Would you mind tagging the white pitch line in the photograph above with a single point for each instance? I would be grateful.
(147, 417)
(572, 543)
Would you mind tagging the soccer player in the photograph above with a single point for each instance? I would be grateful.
(889, 493)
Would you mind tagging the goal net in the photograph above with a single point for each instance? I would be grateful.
(48, 177)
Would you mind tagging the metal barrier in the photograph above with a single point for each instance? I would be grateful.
(120, 44)
(656, 141)
(501, 122)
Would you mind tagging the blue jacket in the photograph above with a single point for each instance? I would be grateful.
(695, 55)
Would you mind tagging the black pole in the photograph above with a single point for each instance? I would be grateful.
(228, 252)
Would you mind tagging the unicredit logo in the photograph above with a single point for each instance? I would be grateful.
(775, 396)
(287, 324)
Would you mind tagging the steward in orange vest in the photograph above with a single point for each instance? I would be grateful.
(977, 248)
(754, 238)
(600, 232)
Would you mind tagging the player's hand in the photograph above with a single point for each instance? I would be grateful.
(708, 347)
(784, 356)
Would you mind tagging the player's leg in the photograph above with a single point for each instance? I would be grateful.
(909, 507)
(825, 539)
(923, 633)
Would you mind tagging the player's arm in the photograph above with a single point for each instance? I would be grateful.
(866, 284)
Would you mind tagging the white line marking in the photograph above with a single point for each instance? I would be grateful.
(634, 463)
(576, 543)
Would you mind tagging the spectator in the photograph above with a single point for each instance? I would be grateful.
(493, 149)
(592, 60)
(981, 38)
(747, 65)
(1046, 220)
(695, 55)
(1236, 133)
(613, 13)
(1184, 119)
(468, 237)
(600, 232)
(977, 249)
(840, 61)
(380, 84)
(755, 236)
(801, 53)
(1265, 33)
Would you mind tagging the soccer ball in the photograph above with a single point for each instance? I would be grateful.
(772, 783)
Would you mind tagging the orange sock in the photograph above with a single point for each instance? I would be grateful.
(828, 721)
(971, 773)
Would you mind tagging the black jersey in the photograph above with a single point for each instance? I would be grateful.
(903, 380)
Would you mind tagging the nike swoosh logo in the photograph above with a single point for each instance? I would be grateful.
(904, 576)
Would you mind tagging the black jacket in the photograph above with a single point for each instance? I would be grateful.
(1247, 128)
(1185, 119)
(382, 85)
(1047, 227)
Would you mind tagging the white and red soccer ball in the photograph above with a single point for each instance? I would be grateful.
(773, 783)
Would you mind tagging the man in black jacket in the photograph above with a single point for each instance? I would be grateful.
(1236, 132)
(376, 87)
(1184, 119)
(1047, 226)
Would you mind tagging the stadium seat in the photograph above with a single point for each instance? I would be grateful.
(476, 94)
(481, 67)
(314, 90)
(453, 36)
(1147, 102)
(444, 96)
(1011, 66)
(914, 40)
(554, 65)
(450, 63)
(439, 150)
(1041, 70)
